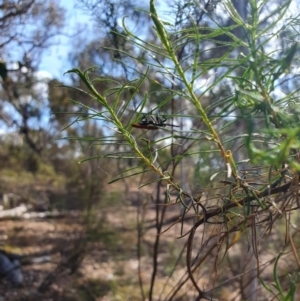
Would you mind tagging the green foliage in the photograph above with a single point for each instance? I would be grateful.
(277, 291)
(243, 144)
(254, 74)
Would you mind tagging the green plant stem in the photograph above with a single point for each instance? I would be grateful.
(162, 33)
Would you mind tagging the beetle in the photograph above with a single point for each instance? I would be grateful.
(149, 122)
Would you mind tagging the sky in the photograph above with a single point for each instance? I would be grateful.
(55, 60)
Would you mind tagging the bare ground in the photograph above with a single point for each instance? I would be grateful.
(97, 258)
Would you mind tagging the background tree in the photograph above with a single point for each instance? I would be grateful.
(27, 28)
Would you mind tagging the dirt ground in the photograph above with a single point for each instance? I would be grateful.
(96, 258)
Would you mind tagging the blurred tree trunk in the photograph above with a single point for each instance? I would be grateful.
(248, 284)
